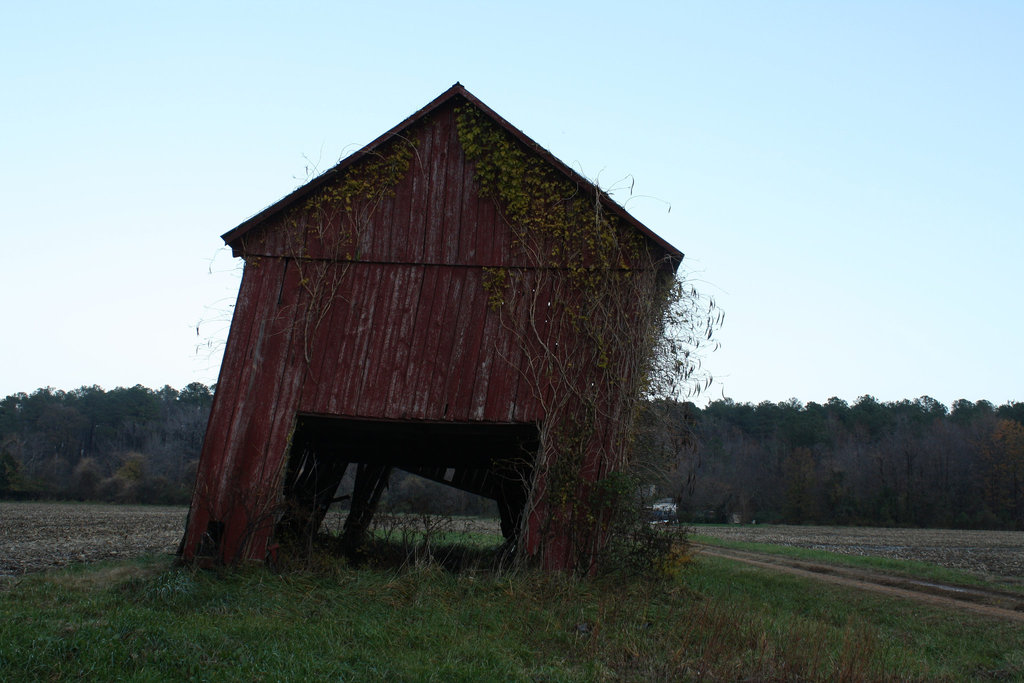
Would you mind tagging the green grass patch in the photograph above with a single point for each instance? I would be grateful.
(826, 632)
(911, 569)
(147, 620)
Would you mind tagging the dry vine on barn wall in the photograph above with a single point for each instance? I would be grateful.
(317, 241)
(321, 236)
(634, 334)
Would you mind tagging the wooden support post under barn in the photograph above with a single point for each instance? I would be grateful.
(451, 300)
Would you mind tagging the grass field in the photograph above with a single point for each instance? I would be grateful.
(145, 619)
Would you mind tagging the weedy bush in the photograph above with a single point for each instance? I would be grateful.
(171, 585)
(635, 547)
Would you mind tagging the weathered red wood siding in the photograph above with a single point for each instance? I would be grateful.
(409, 336)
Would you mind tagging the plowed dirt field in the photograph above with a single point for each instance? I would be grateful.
(37, 536)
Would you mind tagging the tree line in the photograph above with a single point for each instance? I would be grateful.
(910, 462)
(137, 445)
(902, 463)
(124, 445)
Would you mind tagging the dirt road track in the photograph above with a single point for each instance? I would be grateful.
(982, 601)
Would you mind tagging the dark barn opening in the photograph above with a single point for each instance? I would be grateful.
(490, 460)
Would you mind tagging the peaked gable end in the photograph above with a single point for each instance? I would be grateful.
(413, 195)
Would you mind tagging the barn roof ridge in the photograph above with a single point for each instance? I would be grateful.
(455, 91)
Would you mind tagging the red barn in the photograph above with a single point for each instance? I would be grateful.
(450, 300)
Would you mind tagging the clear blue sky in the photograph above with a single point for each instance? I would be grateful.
(847, 179)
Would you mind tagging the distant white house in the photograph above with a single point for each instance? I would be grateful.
(664, 510)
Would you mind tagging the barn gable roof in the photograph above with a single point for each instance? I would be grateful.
(458, 91)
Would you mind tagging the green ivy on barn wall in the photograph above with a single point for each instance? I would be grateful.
(637, 328)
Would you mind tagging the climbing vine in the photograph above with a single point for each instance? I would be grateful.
(321, 236)
(605, 327)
